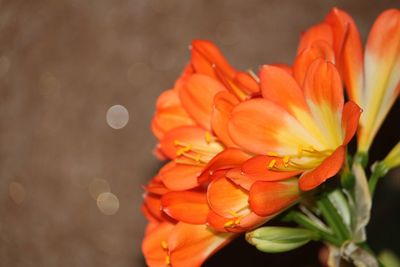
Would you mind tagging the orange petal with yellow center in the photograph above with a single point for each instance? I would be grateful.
(267, 168)
(261, 126)
(381, 74)
(225, 198)
(197, 97)
(350, 117)
(224, 102)
(269, 198)
(186, 206)
(328, 168)
(191, 245)
(206, 57)
(179, 177)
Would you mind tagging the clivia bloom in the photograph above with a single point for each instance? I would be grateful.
(298, 127)
(191, 122)
(372, 78)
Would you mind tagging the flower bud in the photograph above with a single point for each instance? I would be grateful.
(279, 239)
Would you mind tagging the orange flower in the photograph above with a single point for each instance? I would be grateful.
(299, 126)
(191, 127)
(168, 242)
(371, 79)
(197, 204)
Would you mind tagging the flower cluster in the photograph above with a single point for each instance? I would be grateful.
(244, 147)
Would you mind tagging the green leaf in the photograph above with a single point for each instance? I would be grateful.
(279, 239)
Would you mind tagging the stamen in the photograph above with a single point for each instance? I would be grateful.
(197, 158)
(237, 221)
(167, 260)
(233, 213)
(286, 161)
(253, 75)
(164, 245)
(272, 154)
(271, 164)
(207, 136)
(229, 224)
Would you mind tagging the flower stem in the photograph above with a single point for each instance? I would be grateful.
(378, 171)
(307, 223)
(333, 218)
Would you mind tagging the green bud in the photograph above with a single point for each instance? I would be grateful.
(279, 239)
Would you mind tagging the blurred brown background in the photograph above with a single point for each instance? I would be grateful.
(63, 64)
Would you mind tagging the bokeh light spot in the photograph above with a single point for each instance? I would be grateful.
(117, 117)
(16, 192)
(108, 203)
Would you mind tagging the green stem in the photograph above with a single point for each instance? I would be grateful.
(333, 218)
(378, 171)
(306, 222)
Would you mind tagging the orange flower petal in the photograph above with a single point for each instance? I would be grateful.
(280, 87)
(179, 177)
(382, 74)
(224, 102)
(328, 168)
(188, 137)
(348, 50)
(261, 126)
(227, 159)
(206, 57)
(319, 32)
(218, 223)
(153, 205)
(168, 119)
(247, 83)
(350, 117)
(318, 49)
(186, 206)
(257, 169)
(155, 186)
(269, 198)
(239, 178)
(152, 249)
(323, 85)
(245, 223)
(197, 97)
(191, 245)
(225, 198)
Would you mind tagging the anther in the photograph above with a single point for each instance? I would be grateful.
(207, 136)
(167, 260)
(272, 154)
(229, 223)
(164, 244)
(286, 160)
(271, 164)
